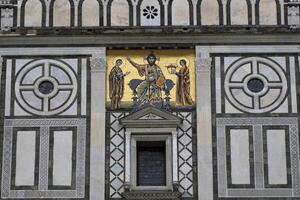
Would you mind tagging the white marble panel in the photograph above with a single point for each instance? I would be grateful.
(73, 63)
(60, 75)
(293, 84)
(228, 61)
(90, 13)
(34, 74)
(18, 111)
(62, 158)
(280, 60)
(239, 148)
(239, 12)
(242, 97)
(120, 10)
(31, 97)
(269, 73)
(21, 63)
(8, 87)
(25, 158)
(180, 12)
(229, 108)
(72, 110)
(283, 108)
(61, 13)
(59, 99)
(276, 146)
(270, 97)
(33, 13)
(269, 17)
(210, 12)
(218, 85)
(83, 86)
(241, 73)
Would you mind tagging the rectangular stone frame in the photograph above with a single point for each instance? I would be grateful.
(97, 118)
(155, 134)
(204, 106)
(140, 137)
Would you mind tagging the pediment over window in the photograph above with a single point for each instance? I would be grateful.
(151, 117)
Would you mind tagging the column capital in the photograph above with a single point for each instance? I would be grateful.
(174, 133)
(98, 63)
(204, 64)
(127, 133)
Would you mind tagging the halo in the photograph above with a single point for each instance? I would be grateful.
(183, 58)
(121, 58)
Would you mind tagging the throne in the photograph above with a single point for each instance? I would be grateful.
(140, 104)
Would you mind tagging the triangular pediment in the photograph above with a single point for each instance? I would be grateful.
(151, 117)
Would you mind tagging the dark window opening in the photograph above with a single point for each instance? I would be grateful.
(151, 163)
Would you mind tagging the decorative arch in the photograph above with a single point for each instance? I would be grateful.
(272, 16)
(161, 8)
(187, 13)
(205, 8)
(236, 12)
(42, 12)
(99, 12)
(109, 13)
(71, 15)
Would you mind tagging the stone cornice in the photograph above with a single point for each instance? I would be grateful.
(150, 41)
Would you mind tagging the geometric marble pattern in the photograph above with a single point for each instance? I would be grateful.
(255, 84)
(43, 189)
(185, 155)
(259, 189)
(46, 87)
(117, 155)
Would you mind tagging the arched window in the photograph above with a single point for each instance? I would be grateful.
(150, 12)
(181, 12)
(267, 12)
(91, 12)
(238, 12)
(61, 13)
(209, 10)
(119, 13)
(33, 13)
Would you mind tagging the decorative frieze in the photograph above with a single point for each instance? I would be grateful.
(7, 15)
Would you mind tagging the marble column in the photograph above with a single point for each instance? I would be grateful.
(204, 130)
(224, 7)
(253, 2)
(127, 159)
(97, 159)
(175, 159)
(1, 65)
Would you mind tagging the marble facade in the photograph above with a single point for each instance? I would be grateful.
(60, 140)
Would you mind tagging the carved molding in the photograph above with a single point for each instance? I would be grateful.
(6, 2)
(166, 195)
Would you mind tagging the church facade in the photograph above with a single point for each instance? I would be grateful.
(150, 99)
